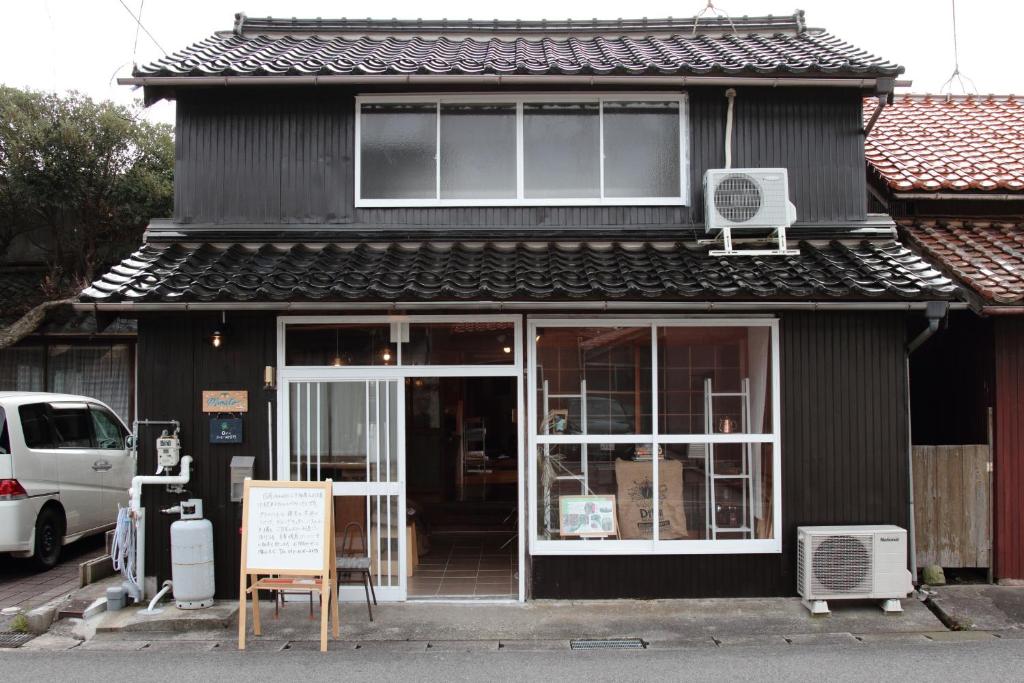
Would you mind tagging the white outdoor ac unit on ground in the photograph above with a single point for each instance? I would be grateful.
(754, 200)
(848, 562)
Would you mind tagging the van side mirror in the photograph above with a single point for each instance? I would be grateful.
(129, 442)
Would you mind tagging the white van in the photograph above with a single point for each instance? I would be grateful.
(64, 469)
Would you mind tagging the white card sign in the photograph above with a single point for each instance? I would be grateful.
(285, 529)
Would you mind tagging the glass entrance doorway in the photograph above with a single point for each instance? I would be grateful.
(363, 400)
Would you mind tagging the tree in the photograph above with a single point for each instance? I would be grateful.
(79, 179)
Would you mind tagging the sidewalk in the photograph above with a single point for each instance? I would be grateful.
(981, 607)
(537, 625)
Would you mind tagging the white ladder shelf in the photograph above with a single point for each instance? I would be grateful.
(744, 476)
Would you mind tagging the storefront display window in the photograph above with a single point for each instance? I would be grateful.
(613, 478)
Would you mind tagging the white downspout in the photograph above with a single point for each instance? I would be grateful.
(139, 513)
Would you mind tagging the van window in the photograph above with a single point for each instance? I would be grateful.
(73, 427)
(35, 426)
(108, 431)
(5, 438)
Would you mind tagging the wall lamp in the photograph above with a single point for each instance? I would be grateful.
(217, 337)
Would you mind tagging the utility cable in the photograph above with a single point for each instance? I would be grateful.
(144, 29)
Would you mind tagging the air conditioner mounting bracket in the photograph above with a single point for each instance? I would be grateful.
(725, 239)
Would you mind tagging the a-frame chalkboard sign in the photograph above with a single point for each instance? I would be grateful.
(288, 542)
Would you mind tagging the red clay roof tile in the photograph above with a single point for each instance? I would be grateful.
(987, 256)
(931, 143)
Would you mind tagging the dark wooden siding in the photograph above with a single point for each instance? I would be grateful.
(176, 363)
(844, 461)
(287, 156)
(1009, 448)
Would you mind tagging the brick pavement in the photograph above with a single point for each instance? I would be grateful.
(22, 585)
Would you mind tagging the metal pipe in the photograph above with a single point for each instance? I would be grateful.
(911, 524)
(933, 327)
(875, 115)
(705, 306)
(135, 505)
(497, 79)
(935, 311)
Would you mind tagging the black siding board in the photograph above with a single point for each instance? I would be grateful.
(844, 461)
(245, 155)
(176, 363)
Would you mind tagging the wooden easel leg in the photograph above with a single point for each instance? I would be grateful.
(242, 609)
(325, 607)
(335, 598)
(257, 627)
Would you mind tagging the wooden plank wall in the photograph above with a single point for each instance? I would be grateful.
(1009, 448)
(176, 363)
(951, 505)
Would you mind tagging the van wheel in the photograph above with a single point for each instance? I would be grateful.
(49, 529)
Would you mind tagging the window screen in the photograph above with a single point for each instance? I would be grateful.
(561, 147)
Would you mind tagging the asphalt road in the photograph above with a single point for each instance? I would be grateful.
(903, 661)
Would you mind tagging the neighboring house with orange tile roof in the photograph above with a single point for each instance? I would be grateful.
(951, 171)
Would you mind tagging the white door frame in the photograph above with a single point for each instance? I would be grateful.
(288, 374)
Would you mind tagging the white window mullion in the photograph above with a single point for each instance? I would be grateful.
(520, 164)
(655, 494)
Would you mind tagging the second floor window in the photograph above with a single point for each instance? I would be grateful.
(550, 150)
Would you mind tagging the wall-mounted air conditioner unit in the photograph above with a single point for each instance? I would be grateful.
(847, 562)
(750, 200)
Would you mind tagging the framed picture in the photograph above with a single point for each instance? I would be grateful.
(587, 516)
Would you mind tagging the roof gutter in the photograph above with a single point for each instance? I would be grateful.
(883, 91)
(496, 79)
(1004, 197)
(1002, 310)
(609, 306)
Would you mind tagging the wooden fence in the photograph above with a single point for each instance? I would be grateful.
(951, 505)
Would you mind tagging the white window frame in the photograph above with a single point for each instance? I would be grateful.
(540, 546)
(519, 99)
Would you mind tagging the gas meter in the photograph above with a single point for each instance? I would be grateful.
(168, 450)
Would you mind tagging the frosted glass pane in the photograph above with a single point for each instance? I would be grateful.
(478, 151)
(641, 149)
(399, 143)
(561, 144)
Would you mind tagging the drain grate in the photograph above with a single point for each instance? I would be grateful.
(14, 639)
(607, 644)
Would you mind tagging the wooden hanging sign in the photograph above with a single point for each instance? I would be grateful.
(225, 401)
(288, 543)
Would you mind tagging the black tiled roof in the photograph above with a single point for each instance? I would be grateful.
(521, 271)
(769, 46)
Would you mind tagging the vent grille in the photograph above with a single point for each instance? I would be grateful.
(841, 564)
(607, 644)
(737, 198)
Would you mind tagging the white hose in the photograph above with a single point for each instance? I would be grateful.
(122, 550)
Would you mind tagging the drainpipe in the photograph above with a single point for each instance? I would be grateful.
(935, 312)
(884, 89)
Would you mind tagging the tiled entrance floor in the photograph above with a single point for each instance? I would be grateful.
(465, 565)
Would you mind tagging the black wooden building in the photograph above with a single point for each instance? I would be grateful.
(389, 213)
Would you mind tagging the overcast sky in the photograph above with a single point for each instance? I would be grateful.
(59, 45)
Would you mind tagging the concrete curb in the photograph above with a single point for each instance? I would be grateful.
(41, 618)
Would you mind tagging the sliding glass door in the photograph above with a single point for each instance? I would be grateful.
(351, 432)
